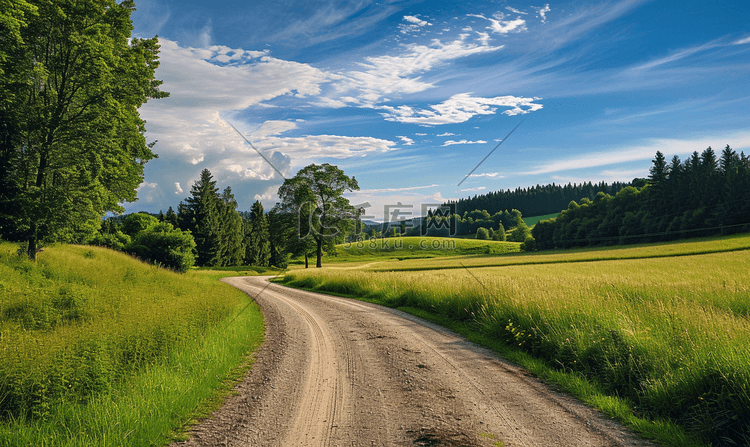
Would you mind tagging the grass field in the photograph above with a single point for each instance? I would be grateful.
(97, 348)
(414, 247)
(531, 221)
(659, 334)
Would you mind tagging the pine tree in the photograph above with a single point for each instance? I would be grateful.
(200, 214)
(231, 234)
(257, 245)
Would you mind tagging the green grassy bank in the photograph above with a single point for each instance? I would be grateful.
(660, 342)
(97, 348)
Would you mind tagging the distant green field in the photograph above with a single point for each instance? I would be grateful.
(659, 332)
(531, 221)
(416, 247)
(98, 349)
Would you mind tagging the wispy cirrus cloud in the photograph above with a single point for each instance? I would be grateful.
(460, 108)
(488, 174)
(383, 76)
(499, 25)
(453, 143)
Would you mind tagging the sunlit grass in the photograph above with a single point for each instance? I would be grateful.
(661, 329)
(97, 348)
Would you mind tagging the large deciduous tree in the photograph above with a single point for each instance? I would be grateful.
(72, 143)
(315, 196)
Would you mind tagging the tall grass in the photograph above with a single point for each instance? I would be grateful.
(669, 337)
(99, 349)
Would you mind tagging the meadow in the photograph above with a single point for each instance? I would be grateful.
(97, 348)
(657, 336)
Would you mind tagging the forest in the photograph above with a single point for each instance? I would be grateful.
(700, 196)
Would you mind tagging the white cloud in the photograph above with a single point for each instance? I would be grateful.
(400, 74)
(480, 188)
(406, 141)
(742, 41)
(446, 134)
(189, 125)
(668, 147)
(177, 188)
(406, 188)
(453, 143)
(324, 146)
(273, 127)
(488, 174)
(414, 24)
(543, 12)
(460, 108)
(515, 10)
(499, 25)
(148, 192)
(421, 134)
(411, 202)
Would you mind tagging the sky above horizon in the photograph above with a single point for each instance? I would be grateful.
(409, 96)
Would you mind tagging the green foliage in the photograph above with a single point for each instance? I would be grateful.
(199, 214)
(520, 232)
(529, 244)
(137, 222)
(314, 196)
(257, 238)
(116, 241)
(231, 235)
(537, 200)
(500, 233)
(483, 234)
(165, 246)
(699, 197)
(71, 102)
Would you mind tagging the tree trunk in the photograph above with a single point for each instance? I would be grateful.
(319, 264)
(305, 259)
(32, 248)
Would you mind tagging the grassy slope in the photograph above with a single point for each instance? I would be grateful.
(660, 332)
(99, 349)
(533, 220)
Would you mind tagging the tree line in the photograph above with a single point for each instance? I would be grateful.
(537, 200)
(700, 196)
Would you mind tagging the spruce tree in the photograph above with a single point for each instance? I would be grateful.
(257, 245)
(200, 214)
(231, 235)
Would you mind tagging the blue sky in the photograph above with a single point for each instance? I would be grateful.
(409, 96)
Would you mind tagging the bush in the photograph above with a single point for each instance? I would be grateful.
(520, 233)
(482, 233)
(529, 244)
(137, 222)
(165, 245)
(500, 233)
(116, 241)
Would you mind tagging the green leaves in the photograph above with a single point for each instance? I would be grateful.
(72, 140)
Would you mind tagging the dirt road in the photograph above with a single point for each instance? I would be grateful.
(339, 372)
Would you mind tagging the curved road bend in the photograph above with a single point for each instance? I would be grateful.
(340, 372)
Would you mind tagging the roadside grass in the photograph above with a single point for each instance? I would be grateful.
(661, 343)
(97, 348)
